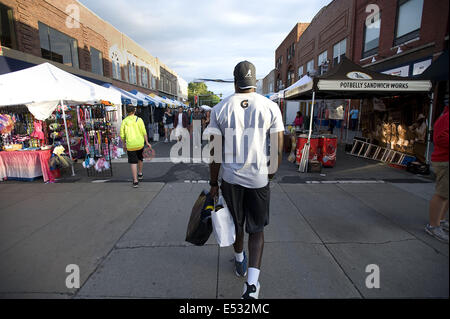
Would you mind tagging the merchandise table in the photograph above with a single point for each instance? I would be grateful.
(25, 165)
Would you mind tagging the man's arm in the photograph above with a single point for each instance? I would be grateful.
(214, 169)
(280, 138)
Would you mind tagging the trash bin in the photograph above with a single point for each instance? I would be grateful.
(314, 150)
(328, 148)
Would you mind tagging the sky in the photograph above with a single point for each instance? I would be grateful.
(207, 38)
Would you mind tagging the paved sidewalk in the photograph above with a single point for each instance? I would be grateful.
(129, 243)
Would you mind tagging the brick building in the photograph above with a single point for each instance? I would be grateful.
(285, 62)
(75, 39)
(403, 39)
(327, 38)
(268, 85)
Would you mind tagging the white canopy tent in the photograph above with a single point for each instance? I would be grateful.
(206, 107)
(280, 94)
(43, 87)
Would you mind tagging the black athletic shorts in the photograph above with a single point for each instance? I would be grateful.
(135, 156)
(247, 205)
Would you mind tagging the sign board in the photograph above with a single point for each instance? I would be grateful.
(401, 71)
(373, 85)
(419, 67)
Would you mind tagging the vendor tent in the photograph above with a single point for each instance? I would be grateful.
(41, 88)
(438, 70)
(162, 102)
(148, 98)
(351, 81)
(206, 107)
(348, 80)
(127, 96)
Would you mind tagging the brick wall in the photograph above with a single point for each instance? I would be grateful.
(281, 51)
(331, 25)
(434, 29)
(92, 32)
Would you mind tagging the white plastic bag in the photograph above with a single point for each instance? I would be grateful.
(223, 225)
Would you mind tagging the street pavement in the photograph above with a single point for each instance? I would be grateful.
(324, 230)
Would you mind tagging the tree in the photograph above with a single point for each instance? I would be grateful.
(201, 90)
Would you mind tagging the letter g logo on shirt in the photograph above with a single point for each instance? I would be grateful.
(244, 104)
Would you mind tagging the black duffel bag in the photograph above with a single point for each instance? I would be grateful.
(200, 227)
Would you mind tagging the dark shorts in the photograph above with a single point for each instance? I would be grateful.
(135, 156)
(247, 205)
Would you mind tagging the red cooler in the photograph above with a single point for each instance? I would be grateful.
(314, 148)
(328, 146)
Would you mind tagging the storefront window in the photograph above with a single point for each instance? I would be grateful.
(339, 50)
(371, 37)
(96, 61)
(57, 46)
(409, 20)
(7, 30)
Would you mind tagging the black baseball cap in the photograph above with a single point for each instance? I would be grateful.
(245, 75)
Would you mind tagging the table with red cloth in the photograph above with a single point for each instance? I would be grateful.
(25, 165)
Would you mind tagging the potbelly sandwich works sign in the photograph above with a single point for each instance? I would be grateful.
(373, 85)
(359, 81)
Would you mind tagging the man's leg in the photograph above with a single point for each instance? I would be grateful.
(239, 242)
(140, 167)
(255, 249)
(444, 210)
(134, 172)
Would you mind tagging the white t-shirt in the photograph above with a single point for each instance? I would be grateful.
(180, 120)
(245, 120)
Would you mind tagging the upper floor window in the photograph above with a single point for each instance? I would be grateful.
(96, 61)
(371, 36)
(300, 72)
(7, 30)
(409, 20)
(279, 62)
(290, 51)
(290, 77)
(310, 66)
(57, 46)
(132, 72)
(144, 77)
(339, 50)
(322, 58)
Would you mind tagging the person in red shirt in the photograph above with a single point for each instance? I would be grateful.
(299, 119)
(438, 226)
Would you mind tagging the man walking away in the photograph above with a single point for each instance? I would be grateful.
(180, 122)
(197, 116)
(439, 163)
(354, 114)
(245, 181)
(168, 124)
(133, 133)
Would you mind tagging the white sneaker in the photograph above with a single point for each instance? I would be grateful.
(437, 233)
(250, 291)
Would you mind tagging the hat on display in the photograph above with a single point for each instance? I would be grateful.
(245, 75)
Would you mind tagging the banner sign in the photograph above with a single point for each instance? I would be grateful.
(373, 85)
(299, 89)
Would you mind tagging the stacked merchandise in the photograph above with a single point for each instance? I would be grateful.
(20, 131)
(96, 132)
(396, 123)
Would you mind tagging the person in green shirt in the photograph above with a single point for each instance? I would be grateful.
(134, 135)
